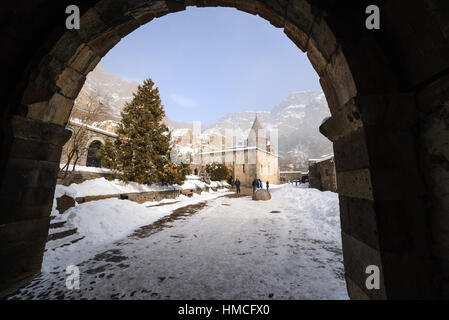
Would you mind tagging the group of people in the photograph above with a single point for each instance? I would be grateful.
(258, 184)
(236, 183)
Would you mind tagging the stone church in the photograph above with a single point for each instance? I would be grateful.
(257, 158)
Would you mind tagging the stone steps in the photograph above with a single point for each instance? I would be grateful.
(61, 234)
(63, 242)
(56, 225)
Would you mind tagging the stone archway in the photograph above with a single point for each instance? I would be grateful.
(92, 160)
(381, 87)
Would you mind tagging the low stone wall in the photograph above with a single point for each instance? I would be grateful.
(81, 176)
(65, 202)
(190, 192)
(322, 175)
(141, 197)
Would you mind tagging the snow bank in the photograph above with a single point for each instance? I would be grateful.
(101, 186)
(319, 211)
(109, 219)
(85, 169)
(195, 184)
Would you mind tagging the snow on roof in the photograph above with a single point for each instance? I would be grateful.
(323, 158)
(92, 128)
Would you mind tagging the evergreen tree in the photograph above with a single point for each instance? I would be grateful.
(141, 152)
(217, 171)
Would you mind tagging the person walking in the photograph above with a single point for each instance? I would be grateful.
(268, 185)
(237, 186)
(255, 183)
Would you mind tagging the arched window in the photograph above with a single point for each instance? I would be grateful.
(92, 159)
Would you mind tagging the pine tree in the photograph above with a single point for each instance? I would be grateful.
(217, 171)
(141, 152)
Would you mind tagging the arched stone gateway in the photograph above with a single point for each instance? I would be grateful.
(387, 89)
(92, 158)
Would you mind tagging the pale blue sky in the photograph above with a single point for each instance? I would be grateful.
(210, 61)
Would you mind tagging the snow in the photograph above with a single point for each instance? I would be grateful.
(109, 219)
(233, 248)
(296, 106)
(323, 158)
(325, 119)
(194, 184)
(105, 221)
(95, 129)
(86, 169)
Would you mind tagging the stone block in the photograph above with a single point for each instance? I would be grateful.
(298, 36)
(300, 14)
(270, 15)
(351, 152)
(105, 42)
(329, 92)
(357, 256)
(358, 219)
(91, 25)
(64, 203)
(66, 46)
(347, 120)
(70, 82)
(261, 195)
(29, 129)
(83, 59)
(339, 73)
(355, 184)
(249, 6)
(56, 110)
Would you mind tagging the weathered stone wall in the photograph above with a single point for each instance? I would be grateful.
(81, 176)
(294, 175)
(322, 175)
(433, 102)
(141, 197)
(91, 136)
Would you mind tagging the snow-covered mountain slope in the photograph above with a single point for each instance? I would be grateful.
(110, 89)
(297, 119)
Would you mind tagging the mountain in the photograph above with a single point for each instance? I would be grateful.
(110, 89)
(297, 119)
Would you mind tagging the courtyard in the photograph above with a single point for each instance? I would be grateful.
(212, 246)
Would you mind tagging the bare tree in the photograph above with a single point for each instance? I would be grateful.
(82, 117)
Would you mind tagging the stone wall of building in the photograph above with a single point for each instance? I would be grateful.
(286, 176)
(322, 175)
(81, 176)
(92, 134)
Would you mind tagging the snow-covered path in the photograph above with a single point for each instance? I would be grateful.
(232, 248)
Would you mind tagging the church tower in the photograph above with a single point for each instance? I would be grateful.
(257, 136)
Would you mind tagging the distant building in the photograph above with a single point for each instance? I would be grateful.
(286, 176)
(322, 174)
(91, 143)
(254, 159)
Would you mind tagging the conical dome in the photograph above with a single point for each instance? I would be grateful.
(256, 125)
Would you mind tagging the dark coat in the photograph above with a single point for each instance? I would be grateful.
(255, 183)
